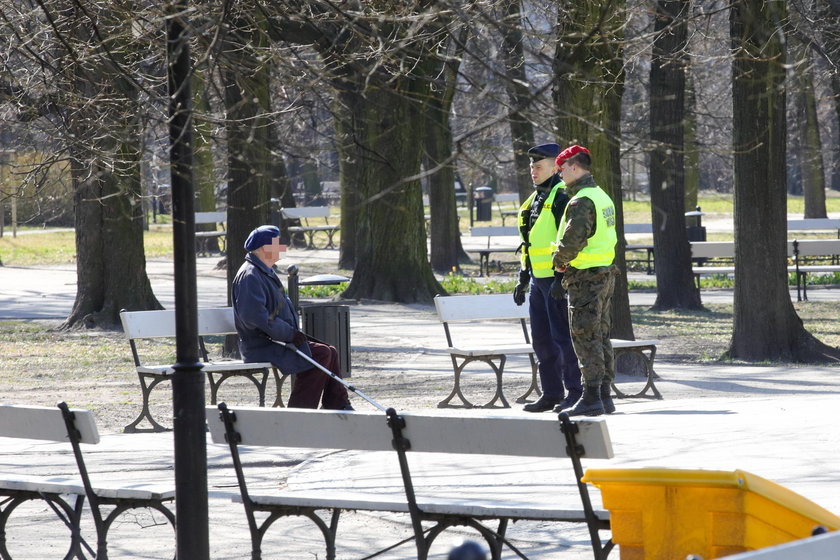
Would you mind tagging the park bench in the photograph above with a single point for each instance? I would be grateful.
(215, 218)
(507, 212)
(304, 214)
(500, 307)
(493, 307)
(647, 247)
(805, 254)
(212, 321)
(106, 501)
(815, 224)
(452, 435)
(492, 232)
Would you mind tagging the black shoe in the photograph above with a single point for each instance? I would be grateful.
(543, 405)
(348, 406)
(569, 401)
(606, 397)
(589, 404)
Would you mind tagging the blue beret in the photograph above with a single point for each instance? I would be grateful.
(261, 236)
(544, 151)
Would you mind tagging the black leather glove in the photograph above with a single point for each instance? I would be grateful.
(299, 338)
(521, 287)
(557, 291)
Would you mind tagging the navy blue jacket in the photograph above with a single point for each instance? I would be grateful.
(262, 310)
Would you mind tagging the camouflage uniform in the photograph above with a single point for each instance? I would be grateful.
(590, 291)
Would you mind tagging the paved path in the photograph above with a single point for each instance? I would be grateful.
(776, 421)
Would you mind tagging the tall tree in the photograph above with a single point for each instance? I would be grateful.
(589, 82)
(765, 324)
(103, 139)
(519, 94)
(245, 72)
(675, 287)
(444, 237)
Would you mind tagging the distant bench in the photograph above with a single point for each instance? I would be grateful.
(212, 321)
(507, 212)
(647, 247)
(305, 213)
(215, 218)
(451, 435)
(77, 426)
(491, 232)
(802, 252)
(498, 307)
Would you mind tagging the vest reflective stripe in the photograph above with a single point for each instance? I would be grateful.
(600, 248)
(541, 236)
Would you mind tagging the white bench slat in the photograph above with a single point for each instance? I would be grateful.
(621, 343)
(218, 217)
(47, 485)
(813, 223)
(438, 433)
(44, 423)
(306, 212)
(494, 231)
(490, 351)
(638, 228)
(488, 307)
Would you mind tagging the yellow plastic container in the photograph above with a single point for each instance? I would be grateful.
(667, 514)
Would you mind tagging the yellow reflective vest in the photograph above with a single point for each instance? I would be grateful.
(600, 247)
(538, 248)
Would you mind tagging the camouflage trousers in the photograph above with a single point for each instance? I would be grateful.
(590, 297)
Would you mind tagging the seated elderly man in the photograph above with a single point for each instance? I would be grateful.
(263, 312)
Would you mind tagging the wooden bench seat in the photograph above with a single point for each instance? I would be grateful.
(450, 434)
(495, 307)
(309, 230)
(212, 321)
(66, 495)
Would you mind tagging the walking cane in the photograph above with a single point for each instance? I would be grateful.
(289, 345)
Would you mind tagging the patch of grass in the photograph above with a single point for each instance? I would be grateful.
(59, 247)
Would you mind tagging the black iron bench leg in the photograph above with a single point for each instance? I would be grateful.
(535, 386)
(145, 412)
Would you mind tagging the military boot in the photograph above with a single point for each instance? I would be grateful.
(590, 403)
(606, 397)
(569, 401)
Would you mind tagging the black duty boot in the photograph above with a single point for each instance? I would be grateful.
(606, 397)
(542, 405)
(569, 401)
(589, 404)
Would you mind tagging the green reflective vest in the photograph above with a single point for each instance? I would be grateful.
(544, 231)
(600, 248)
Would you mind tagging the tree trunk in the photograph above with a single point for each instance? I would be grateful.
(813, 172)
(247, 104)
(391, 257)
(205, 187)
(519, 95)
(691, 147)
(765, 324)
(350, 132)
(447, 252)
(589, 82)
(675, 286)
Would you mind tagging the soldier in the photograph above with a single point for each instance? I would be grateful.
(539, 218)
(585, 251)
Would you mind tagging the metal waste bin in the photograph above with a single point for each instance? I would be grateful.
(695, 231)
(330, 323)
(483, 198)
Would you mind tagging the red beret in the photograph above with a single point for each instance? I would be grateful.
(569, 152)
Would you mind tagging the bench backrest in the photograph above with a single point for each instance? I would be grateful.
(427, 432)
(813, 223)
(494, 231)
(638, 228)
(306, 212)
(211, 217)
(45, 423)
(482, 307)
(507, 197)
(815, 247)
(161, 323)
(710, 249)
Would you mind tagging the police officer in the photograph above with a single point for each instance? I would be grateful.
(585, 251)
(539, 217)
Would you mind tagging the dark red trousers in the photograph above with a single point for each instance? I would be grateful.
(313, 386)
